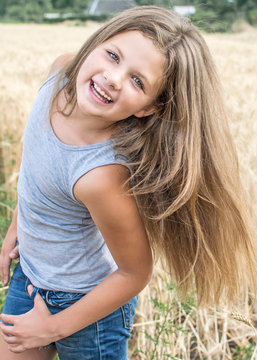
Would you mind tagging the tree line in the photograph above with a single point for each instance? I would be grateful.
(211, 15)
(215, 15)
(34, 10)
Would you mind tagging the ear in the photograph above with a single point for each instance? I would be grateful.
(148, 110)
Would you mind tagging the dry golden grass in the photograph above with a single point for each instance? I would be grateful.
(26, 54)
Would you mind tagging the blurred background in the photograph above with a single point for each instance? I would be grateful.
(210, 15)
(33, 34)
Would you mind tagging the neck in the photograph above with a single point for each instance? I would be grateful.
(91, 128)
(78, 129)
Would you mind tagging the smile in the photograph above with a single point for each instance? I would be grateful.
(100, 94)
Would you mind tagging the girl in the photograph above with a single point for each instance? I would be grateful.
(126, 152)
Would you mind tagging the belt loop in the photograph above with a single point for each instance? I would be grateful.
(47, 300)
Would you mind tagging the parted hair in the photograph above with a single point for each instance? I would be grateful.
(185, 174)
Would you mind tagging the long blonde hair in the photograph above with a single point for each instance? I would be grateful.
(184, 166)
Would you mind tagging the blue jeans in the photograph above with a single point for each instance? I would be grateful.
(107, 339)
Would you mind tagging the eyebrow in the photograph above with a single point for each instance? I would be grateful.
(136, 72)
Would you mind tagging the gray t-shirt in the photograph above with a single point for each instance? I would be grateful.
(60, 246)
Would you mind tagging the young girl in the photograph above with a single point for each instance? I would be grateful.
(126, 152)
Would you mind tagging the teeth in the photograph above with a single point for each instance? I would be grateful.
(101, 92)
(97, 95)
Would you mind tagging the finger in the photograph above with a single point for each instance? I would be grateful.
(30, 289)
(7, 330)
(4, 279)
(12, 340)
(5, 271)
(16, 348)
(8, 319)
(14, 253)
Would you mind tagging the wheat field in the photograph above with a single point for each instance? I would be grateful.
(165, 327)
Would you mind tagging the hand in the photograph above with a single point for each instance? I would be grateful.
(9, 249)
(8, 253)
(30, 330)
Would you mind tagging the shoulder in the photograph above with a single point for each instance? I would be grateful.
(106, 194)
(59, 62)
(102, 183)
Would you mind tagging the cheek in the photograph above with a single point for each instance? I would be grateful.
(92, 63)
(86, 67)
(132, 105)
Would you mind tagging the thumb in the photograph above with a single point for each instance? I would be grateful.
(39, 303)
(14, 253)
(30, 289)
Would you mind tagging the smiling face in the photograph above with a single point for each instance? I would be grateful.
(120, 78)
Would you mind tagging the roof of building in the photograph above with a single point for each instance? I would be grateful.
(98, 7)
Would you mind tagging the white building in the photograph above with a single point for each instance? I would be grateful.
(184, 10)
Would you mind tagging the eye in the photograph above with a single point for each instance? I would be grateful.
(113, 56)
(138, 82)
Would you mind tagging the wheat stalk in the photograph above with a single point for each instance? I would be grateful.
(242, 318)
(4, 288)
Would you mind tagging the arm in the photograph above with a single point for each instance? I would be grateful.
(9, 249)
(116, 215)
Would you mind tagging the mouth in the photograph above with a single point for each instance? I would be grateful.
(100, 94)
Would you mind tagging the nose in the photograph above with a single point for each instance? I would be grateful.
(114, 79)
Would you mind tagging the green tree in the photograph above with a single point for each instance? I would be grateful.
(80, 5)
(29, 10)
(2, 7)
(62, 4)
(73, 6)
(146, 2)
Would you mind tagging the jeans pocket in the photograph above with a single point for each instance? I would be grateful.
(62, 299)
(18, 273)
(18, 282)
(128, 312)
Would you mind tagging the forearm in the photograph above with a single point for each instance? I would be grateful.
(8, 250)
(13, 226)
(105, 298)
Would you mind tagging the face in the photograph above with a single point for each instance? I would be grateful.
(120, 78)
